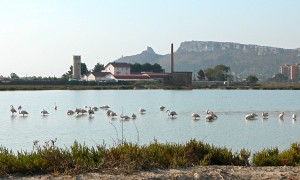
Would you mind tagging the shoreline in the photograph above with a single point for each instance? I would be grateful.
(197, 172)
(140, 87)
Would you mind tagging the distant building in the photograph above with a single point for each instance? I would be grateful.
(292, 71)
(284, 70)
(76, 67)
(178, 78)
(116, 68)
(97, 76)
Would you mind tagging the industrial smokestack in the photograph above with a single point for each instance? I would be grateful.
(172, 59)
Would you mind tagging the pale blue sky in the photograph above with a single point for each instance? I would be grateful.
(39, 37)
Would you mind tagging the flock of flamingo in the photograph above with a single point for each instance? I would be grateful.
(91, 110)
(265, 115)
(209, 115)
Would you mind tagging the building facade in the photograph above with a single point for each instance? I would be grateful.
(292, 71)
(117, 68)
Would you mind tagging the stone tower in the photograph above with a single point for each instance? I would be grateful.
(76, 67)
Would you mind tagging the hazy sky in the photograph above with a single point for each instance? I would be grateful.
(40, 37)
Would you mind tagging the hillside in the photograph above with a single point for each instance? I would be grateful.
(243, 59)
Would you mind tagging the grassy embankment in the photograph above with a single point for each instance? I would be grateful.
(129, 157)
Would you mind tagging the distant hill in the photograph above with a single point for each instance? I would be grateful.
(243, 59)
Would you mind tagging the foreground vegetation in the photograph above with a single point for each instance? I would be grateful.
(129, 157)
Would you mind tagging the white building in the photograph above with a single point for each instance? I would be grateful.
(98, 76)
(116, 68)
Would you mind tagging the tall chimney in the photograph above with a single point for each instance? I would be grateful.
(172, 59)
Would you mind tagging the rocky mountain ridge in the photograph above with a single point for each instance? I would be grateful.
(243, 59)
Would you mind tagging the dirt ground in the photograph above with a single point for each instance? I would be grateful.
(200, 172)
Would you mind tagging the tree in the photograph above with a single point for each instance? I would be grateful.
(156, 68)
(98, 67)
(135, 68)
(218, 73)
(147, 67)
(251, 79)
(200, 75)
(14, 76)
(84, 69)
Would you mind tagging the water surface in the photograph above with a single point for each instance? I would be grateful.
(230, 129)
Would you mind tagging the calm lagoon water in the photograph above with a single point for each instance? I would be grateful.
(230, 129)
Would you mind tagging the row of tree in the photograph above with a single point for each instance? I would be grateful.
(221, 73)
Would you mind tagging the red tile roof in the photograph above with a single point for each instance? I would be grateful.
(131, 76)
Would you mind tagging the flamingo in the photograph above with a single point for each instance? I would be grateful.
(250, 116)
(108, 112)
(162, 108)
(82, 111)
(195, 116)
(95, 108)
(142, 111)
(264, 115)
(23, 112)
(133, 116)
(12, 109)
(124, 117)
(44, 112)
(104, 107)
(281, 115)
(112, 114)
(70, 112)
(294, 116)
(209, 115)
(90, 111)
(171, 113)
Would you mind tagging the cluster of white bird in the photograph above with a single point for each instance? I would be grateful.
(21, 112)
(25, 113)
(209, 115)
(265, 115)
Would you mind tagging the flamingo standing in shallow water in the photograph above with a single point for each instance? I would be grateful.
(195, 116)
(12, 109)
(70, 112)
(133, 116)
(112, 114)
(281, 115)
(294, 116)
(91, 111)
(264, 115)
(23, 112)
(44, 112)
(209, 115)
(142, 111)
(171, 113)
(124, 117)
